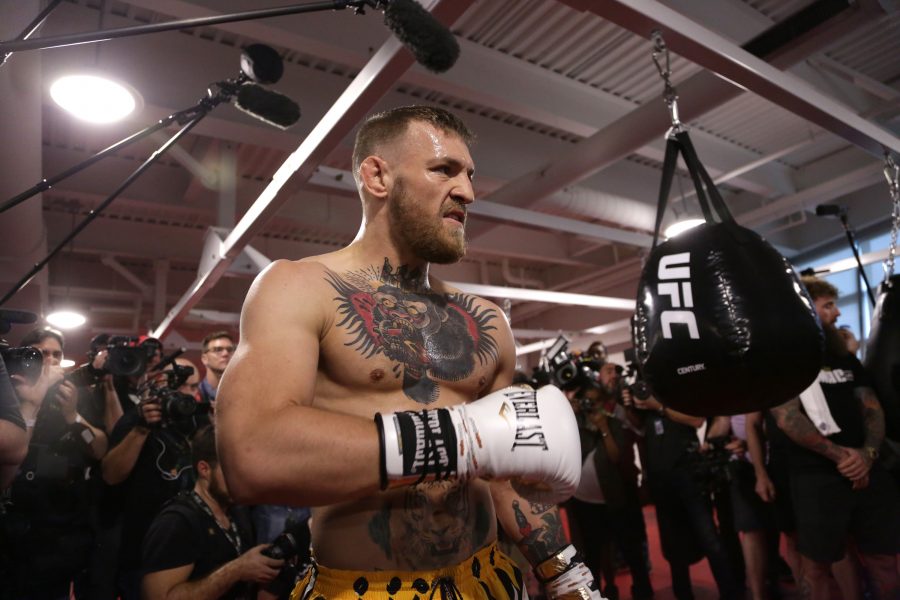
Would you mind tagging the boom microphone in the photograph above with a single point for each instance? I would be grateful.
(830, 210)
(431, 43)
(266, 105)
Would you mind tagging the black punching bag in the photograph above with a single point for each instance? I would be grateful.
(723, 325)
(883, 353)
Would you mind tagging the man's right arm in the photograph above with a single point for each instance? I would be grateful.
(173, 584)
(275, 448)
(757, 449)
(801, 430)
(121, 458)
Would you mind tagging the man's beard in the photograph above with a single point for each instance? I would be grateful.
(422, 234)
(218, 493)
(835, 344)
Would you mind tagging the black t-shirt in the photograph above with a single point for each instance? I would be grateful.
(163, 469)
(839, 378)
(666, 444)
(185, 534)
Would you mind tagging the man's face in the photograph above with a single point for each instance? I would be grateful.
(826, 308)
(218, 354)
(432, 189)
(609, 377)
(218, 489)
(192, 384)
(51, 350)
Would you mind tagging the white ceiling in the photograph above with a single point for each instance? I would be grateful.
(563, 95)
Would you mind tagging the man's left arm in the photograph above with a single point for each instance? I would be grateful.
(859, 461)
(873, 417)
(538, 532)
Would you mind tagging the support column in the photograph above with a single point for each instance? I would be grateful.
(22, 228)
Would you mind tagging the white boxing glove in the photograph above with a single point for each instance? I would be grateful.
(527, 436)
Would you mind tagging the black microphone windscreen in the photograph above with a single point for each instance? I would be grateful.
(431, 43)
(273, 108)
(262, 64)
(829, 210)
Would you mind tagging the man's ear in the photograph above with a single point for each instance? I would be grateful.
(204, 469)
(375, 176)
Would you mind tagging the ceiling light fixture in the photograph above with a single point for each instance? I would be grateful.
(66, 319)
(66, 363)
(94, 99)
(679, 227)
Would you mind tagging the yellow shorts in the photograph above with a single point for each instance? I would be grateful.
(487, 575)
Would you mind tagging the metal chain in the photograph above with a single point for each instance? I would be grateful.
(670, 95)
(892, 174)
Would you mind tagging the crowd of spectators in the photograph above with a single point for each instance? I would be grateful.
(120, 476)
(120, 494)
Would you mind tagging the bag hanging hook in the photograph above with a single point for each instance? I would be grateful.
(670, 95)
(892, 174)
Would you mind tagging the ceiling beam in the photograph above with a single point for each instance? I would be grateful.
(713, 52)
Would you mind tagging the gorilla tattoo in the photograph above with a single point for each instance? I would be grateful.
(429, 336)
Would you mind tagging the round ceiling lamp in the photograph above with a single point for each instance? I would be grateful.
(66, 319)
(92, 98)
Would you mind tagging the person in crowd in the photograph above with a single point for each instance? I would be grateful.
(149, 462)
(606, 507)
(13, 432)
(46, 532)
(200, 546)
(838, 487)
(372, 332)
(684, 511)
(218, 348)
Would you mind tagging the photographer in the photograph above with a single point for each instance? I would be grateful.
(606, 507)
(45, 531)
(150, 462)
(198, 545)
(684, 512)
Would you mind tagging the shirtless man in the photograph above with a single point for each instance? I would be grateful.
(407, 502)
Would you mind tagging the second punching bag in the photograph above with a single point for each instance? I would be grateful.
(883, 353)
(723, 325)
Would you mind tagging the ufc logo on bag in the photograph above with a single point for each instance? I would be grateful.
(674, 274)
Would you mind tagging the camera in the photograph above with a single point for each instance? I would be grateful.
(711, 469)
(127, 356)
(25, 361)
(568, 371)
(632, 379)
(292, 546)
(176, 405)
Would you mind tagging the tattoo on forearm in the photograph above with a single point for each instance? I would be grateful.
(801, 430)
(873, 417)
(539, 541)
(429, 336)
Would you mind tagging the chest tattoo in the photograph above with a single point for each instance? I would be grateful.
(429, 336)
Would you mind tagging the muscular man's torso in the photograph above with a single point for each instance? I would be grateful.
(385, 346)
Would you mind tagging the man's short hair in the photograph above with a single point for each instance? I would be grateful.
(214, 336)
(36, 336)
(819, 288)
(203, 447)
(384, 127)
